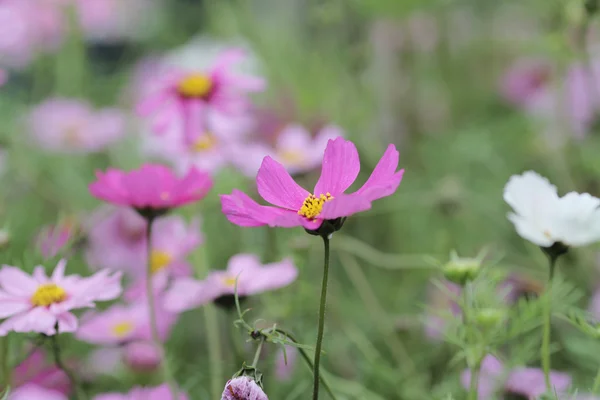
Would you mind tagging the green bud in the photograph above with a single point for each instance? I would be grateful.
(462, 270)
(489, 317)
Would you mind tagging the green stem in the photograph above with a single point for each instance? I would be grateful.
(596, 387)
(545, 356)
(475, 369)
(316, 379)
(308, 361)
(474, 386)
(5, 370)
(257, 354)
(77, 390)
(168, 376)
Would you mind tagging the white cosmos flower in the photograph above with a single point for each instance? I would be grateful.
(544, 218)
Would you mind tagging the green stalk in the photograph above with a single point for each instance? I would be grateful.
(77, 391)
(316, 376)
(5, 370)
(257, 354)
(596, 387)
(545, 356)
(168, 376)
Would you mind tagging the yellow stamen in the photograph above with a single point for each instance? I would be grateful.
(313, 205)
(47, 294)
(195, 86)
(293, 157)
(122, 329)
(205, 142)
(229, 281)
(159, 260)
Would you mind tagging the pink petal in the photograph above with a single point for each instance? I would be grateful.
(187, 293)
(67, 322)
(340, 167)
(59, 271)
(10, 305)
(241, 210)
(271, 276)
(344, 205)
(384, 179)
(16, 282)
(276, 186)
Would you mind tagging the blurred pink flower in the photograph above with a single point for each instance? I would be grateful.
(72, 126)
(151, 188)
(295, 206)
(243, 388)
(35, 370)
(283, 369)
(142, 356)
(252, 278)
(39, 303)
(521, 381)
(441, 302)
(123, 324)
(32, 391)
(158, 393)
(183, 98)
(53, 238)
(28, 27)
(524, 79)
(294, 148)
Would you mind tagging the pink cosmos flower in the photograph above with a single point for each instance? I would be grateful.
(32, 391)
(123, 324)
(252, 278)
(294, 148)
(158, 393)
(243, 388)
(151, 188)
(53, 238)
(39, 303)
(524, 79)
(36, 371)
(142, 356)
(521, 381)
(297, 207)
(182, 98)
(73, 126)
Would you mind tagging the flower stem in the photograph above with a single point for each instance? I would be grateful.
(476, 366)
(596, 386)
(5, 370)
(168, 376)
(545, 356)
(77, 391)
(257, 354)
(474, 386)
(316, 379)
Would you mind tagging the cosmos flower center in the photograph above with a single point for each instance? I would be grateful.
(229, 281)
(205, 142)
(159, 260)
(48, 294)
(195, 85)
(313, 205)
(122, 329)
(292, 157)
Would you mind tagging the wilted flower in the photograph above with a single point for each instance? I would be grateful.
(41, 304)
(158, 393)
(521, 381)
(252, 278)
(545, 219)
(152, 189)
(72, 126)
(243, 388)
(298, 207)
(182, 98)
(32, 391)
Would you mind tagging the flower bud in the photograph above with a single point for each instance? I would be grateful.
(489, 318)
(462, 270)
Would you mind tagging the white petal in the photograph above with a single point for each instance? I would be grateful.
(578, 219)
(530, 231)
(530, 193)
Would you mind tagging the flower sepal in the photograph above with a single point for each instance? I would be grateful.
(556, 250)
(328, 227)
(251, 372)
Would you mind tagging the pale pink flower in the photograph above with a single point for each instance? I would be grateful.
(294, 148)
(32, 391)
(43, 304)
(123, 324)
(252, 278)
(243, 388)
(182, 98)
(73, 126)
(295, 206)
(151, 188)
(37, 371)
(524, 79)
(142, 356)
(158, 393)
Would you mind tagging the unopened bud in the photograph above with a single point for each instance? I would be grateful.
(462, 270)
(489, 318)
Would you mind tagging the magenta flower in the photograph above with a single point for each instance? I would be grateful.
(158, 393)
(243, 388)
(35, 370)
(32, 391)
(123, 324)
(294, 148)
(150, 189)
(521, 381)
(182, 98)
(72, 126)
(39, 303)
(297, 207)
(252, 278)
